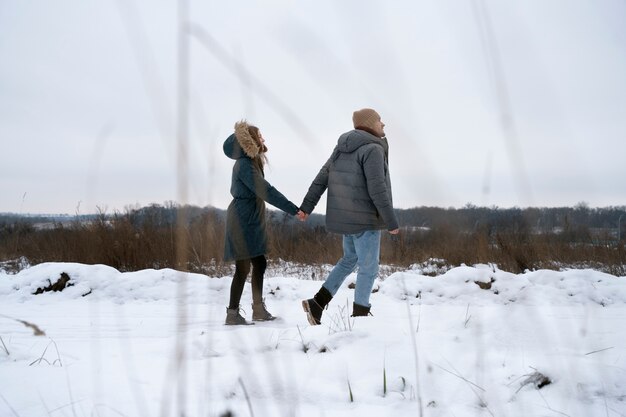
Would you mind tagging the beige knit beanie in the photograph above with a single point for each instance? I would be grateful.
(365, 118)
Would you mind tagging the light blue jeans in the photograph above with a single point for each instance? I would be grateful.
(360, 250)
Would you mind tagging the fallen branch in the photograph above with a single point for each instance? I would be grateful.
(601, 350)
(36, 330)
(61, 284)
(538, 379)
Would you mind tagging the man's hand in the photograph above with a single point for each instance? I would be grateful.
(302, 216)
(394, 232)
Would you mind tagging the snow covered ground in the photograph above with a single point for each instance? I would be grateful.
(153, 343)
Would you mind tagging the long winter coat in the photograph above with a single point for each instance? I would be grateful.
(246, 236)
(359, 185)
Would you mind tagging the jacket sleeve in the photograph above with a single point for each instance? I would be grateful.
(318, 187)
(374, 171)
(251, 177)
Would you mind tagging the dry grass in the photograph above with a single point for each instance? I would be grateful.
(145, 238)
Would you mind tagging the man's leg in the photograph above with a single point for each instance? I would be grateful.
(367, 247)
(314, 307)
(344, 267)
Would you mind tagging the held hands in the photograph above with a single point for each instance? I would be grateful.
(302, 216)
(394, 231)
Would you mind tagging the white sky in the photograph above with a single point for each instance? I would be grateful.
(88, 98)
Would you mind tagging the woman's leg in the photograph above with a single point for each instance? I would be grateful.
(242, 268)
(259, 312)
(259, 264)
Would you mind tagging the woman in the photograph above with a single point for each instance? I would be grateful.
(246, 238)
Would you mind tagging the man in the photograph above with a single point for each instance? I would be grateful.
(359, 205)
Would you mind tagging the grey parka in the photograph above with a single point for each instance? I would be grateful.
(359, 186)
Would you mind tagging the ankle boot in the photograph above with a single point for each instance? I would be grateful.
(359, 310)
(314, 307)
(260, 313)
(233, 317)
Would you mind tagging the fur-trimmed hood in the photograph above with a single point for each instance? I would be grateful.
(241, 143)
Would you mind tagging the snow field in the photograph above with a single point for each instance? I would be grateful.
(153, 343)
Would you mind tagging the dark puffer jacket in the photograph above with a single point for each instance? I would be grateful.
(246, 236)
(359, 186)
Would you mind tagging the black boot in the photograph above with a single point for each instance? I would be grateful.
(314, 307)
(359, 310)
(260, 313)
(234, 318)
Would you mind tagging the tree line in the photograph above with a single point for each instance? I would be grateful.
(516, 239)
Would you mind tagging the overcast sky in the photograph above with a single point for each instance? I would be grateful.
(486, 102)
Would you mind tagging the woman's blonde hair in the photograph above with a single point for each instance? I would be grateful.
(256, 135)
